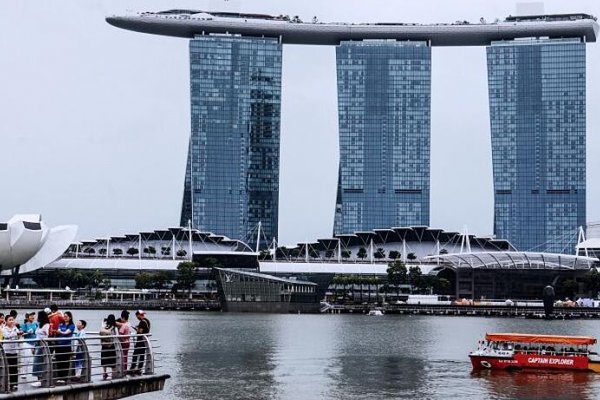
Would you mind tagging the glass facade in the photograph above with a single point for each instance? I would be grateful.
(232, 174)
(384, 107)
(537, 108)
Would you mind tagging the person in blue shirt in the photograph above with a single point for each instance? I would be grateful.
(28, 328)
(63, 348)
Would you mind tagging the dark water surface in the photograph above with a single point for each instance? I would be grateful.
(269, 356)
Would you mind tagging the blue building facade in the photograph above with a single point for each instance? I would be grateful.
(537, 99)
(384, 108)
(232, 174)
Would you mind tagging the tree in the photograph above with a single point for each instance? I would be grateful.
(165, 250)
(394, 255)
(143, 280)
(569, 288)
(329, 254)
(411, 256)
(415, 277)
(89, 251)
(181, 253)
(96, 278)
(362, 253)
(186, 276)
(397, 274)
(117, 252)
(591, 282)
(150, 250)
(102, 251)
(346, 254)
(380, 253)
(132, 251)
(160, 279)
(441, 286)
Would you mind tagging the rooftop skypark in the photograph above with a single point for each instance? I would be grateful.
(189, 23)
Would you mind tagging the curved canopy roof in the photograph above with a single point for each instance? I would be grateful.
(514, 260)
(545, 339)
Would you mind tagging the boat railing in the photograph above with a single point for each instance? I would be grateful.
(30, 364)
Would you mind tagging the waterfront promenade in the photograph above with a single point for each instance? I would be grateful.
(85, 304)
(87, 366)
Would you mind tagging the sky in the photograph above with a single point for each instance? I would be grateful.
(95, 120)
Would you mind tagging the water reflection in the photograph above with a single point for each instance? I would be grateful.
(538, 384)
(230, 356)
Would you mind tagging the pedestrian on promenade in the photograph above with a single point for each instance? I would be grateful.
(41, 333)
(11, 333)
(124, 332)
(2, 325)
(80, 333)
(108, 353)
(63, 348)
(15, 315)
(27, 349)
(139, 351)
(55, 317)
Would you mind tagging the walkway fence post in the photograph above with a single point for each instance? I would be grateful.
(4, 378)
(149, 364)
(119, 373)
(48, 368)
(86, 371)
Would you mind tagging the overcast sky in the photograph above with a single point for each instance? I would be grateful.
(94, 120)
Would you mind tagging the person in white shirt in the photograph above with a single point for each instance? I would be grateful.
(41, 333)
(80, 333)
(11, 336)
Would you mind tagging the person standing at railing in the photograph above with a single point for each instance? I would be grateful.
(124, 332)
(11, 347)
(80, 333)
(108, 354)
(55, 317)
(139, 350)
(63, 349)
(2, 325)
(28, 347)
(41, 333)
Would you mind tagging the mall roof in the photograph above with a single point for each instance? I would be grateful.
(258, 275)
(515, 260)
(409, 234)
(189, 23)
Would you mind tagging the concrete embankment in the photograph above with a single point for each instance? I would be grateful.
(105, 390)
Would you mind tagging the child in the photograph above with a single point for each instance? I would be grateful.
(80, 333)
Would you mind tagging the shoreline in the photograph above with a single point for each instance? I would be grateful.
(168, 305)
(559, 313)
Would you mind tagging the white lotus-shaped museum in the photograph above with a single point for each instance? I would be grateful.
(27, 242)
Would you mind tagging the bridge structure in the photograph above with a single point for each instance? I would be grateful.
(93, 366)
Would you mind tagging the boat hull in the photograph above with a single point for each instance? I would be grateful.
(534, 361)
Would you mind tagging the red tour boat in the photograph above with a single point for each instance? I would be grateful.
(520, 350)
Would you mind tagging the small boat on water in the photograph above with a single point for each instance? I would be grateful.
(375, 313)
(519, 351)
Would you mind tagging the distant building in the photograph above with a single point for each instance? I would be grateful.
(537, 107)
(232, 175)
(536, 68)
(384, 106)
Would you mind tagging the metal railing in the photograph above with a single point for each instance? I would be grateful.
(27, 364)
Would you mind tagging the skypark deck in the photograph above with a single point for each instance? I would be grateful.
(188, 23)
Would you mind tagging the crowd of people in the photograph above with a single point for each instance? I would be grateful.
(26, 345)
